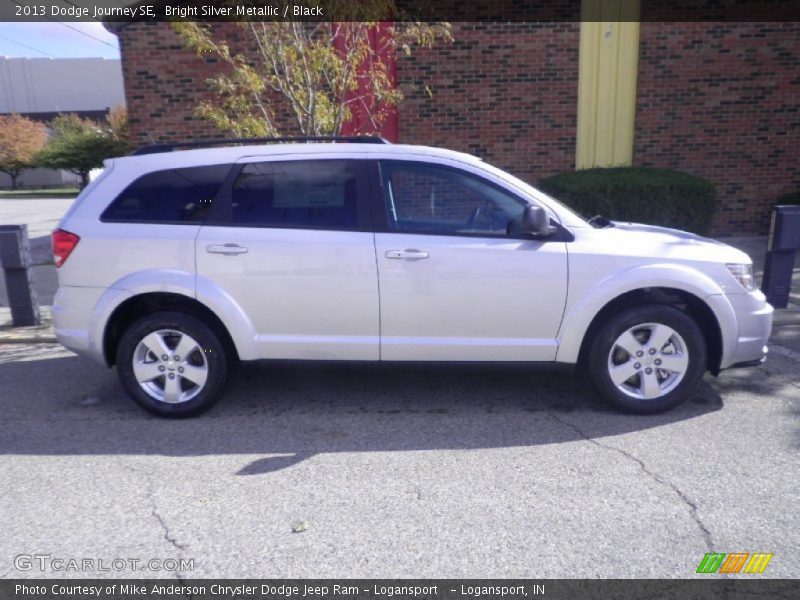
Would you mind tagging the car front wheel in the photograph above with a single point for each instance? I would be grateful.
(172, 364)
(647, 359)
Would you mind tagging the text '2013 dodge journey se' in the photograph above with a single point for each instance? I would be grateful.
(175, 265)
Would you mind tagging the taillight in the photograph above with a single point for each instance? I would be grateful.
(64, 243)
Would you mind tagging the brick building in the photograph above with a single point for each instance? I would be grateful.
(720, 100)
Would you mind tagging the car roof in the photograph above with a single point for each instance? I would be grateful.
(230, 154)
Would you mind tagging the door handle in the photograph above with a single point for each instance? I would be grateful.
(226, 249)
(413, 254)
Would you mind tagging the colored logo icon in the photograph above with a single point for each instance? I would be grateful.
(734, 562)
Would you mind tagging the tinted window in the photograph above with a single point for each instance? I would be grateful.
(174, 196)
(316, 194)
(436, 199)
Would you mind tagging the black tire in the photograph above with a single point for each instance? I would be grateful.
(605, 340)
(211, 357)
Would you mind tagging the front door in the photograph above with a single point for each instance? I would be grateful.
(456, 280)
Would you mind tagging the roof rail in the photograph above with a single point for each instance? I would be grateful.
(171, 146)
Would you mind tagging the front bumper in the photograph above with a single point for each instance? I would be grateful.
(754, 325)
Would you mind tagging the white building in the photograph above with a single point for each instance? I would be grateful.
(41, 88)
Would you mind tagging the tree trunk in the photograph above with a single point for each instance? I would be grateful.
(14, 179)
(84, 178)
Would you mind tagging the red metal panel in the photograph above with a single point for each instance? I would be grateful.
(359, 123)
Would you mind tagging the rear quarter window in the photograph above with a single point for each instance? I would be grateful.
(170, 196)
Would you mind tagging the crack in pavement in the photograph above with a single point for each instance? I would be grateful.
(693, 512)
(156, 514)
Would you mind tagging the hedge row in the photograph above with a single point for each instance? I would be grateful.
(789, 199)
(638, 194)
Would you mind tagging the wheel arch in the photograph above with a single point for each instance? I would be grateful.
(134, 307)
(678, 284)
(693, 306)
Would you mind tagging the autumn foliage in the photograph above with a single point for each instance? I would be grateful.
(324, 73)
(21, 140)
(80, 145)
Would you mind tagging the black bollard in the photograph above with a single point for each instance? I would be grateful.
(15, 258)
(783, 243)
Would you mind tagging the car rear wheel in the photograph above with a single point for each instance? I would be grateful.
(172, 364)
(647, 359)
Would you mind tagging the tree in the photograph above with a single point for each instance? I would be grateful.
(79, 145)
(117, 119)
(20, 141)
(322, 72)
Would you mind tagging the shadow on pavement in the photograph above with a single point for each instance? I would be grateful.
(285, 414)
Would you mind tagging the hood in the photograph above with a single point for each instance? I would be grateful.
(655, 241)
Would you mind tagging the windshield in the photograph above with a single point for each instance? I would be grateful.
(532, 191)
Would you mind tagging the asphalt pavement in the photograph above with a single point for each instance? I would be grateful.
(396, 472)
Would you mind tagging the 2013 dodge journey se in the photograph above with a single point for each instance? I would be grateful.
(173, 265)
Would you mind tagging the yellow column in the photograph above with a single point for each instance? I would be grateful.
(609, 59)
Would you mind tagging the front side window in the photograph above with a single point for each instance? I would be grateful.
(425, 198)
(314, 194)
(170, 196)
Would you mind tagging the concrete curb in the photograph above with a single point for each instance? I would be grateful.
(41, 334)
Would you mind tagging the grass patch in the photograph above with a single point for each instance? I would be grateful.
(69, 192)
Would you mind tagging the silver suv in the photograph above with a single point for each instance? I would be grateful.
(173, 265)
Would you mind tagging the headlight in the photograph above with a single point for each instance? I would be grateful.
(744, 275)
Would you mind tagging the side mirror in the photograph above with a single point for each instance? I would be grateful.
(535, 222)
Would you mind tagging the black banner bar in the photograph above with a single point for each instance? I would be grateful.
(735, 588)
(398, 10)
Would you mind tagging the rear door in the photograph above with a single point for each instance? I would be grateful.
(291, 244)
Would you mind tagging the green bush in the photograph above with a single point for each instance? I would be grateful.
(793, 198)
(638, 194)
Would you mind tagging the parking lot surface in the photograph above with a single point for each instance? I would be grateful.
(396, 472)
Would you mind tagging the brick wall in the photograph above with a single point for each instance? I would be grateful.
(163, 84)
(722, 101)
(717, 100)
(505, 92)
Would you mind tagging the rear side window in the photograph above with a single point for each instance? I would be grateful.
(172, 196)
(312, 194)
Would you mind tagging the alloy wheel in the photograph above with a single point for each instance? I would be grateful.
(648, 361)
(170, 366)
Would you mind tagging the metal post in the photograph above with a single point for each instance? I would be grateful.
(783, 243)
(15, 258)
